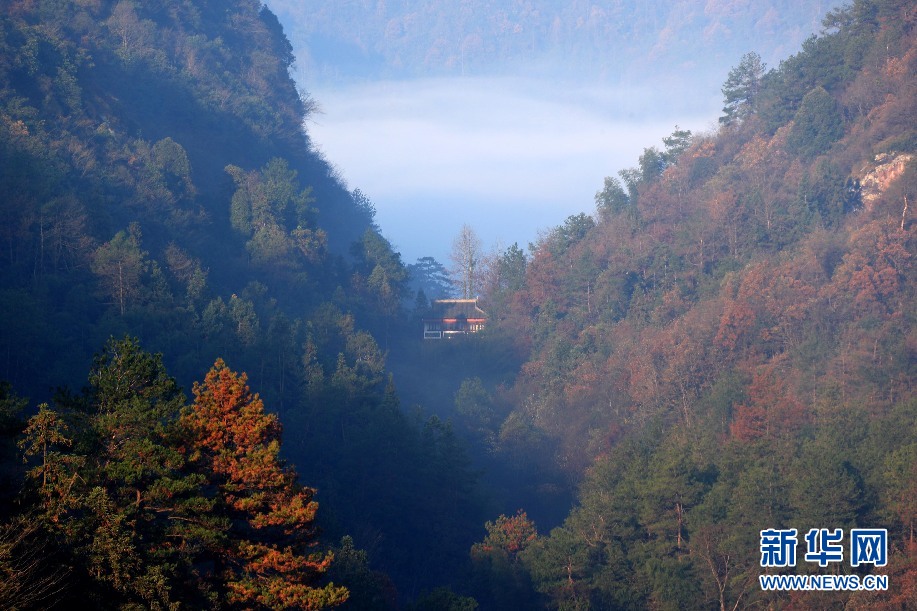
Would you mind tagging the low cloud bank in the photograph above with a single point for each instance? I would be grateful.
(508, 156)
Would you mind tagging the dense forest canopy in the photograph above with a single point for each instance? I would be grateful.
(605, 40)
(725, 345)
(157, 183)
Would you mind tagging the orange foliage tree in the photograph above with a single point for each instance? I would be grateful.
(510, 535)
(772, 409)
(265, 557)
(498, 573)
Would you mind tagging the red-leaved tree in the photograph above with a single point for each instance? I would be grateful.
(266, 556)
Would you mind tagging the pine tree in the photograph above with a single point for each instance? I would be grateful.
(742, 89)
(266, 559)
(114, 489)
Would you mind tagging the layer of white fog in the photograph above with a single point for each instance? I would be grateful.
(510, 157)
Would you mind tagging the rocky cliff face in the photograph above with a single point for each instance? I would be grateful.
(887, 169)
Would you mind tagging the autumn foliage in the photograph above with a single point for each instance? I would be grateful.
(509, 535)
(727, 345)
(146, 502)
(266, 557)
(731, 346)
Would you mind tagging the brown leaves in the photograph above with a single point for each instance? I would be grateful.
(873, 270)
(237, 444)
(772, 408)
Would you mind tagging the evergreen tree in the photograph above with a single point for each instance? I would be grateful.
(742, 89)
(431, 277)
(266, 557)
(120, 265)
(612, 198)
(499, 577)
(112, 483)
(817, 124)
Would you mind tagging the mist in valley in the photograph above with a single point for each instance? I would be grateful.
(724, 346)
(510, 157)
(512, 138)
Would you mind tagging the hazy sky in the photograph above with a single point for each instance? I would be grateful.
(507, 156)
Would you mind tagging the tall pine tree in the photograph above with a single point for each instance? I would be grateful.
(266, 558)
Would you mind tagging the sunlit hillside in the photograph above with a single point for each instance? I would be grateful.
(215, 386)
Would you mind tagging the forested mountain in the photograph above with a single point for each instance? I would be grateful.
(156, 183)
(604, 40)
(154, 156)
(726, 345)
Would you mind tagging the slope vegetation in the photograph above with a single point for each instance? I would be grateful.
(729, 345)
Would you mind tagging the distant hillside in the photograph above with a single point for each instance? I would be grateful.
(612, 40)
(728, 344)
(811, 158)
